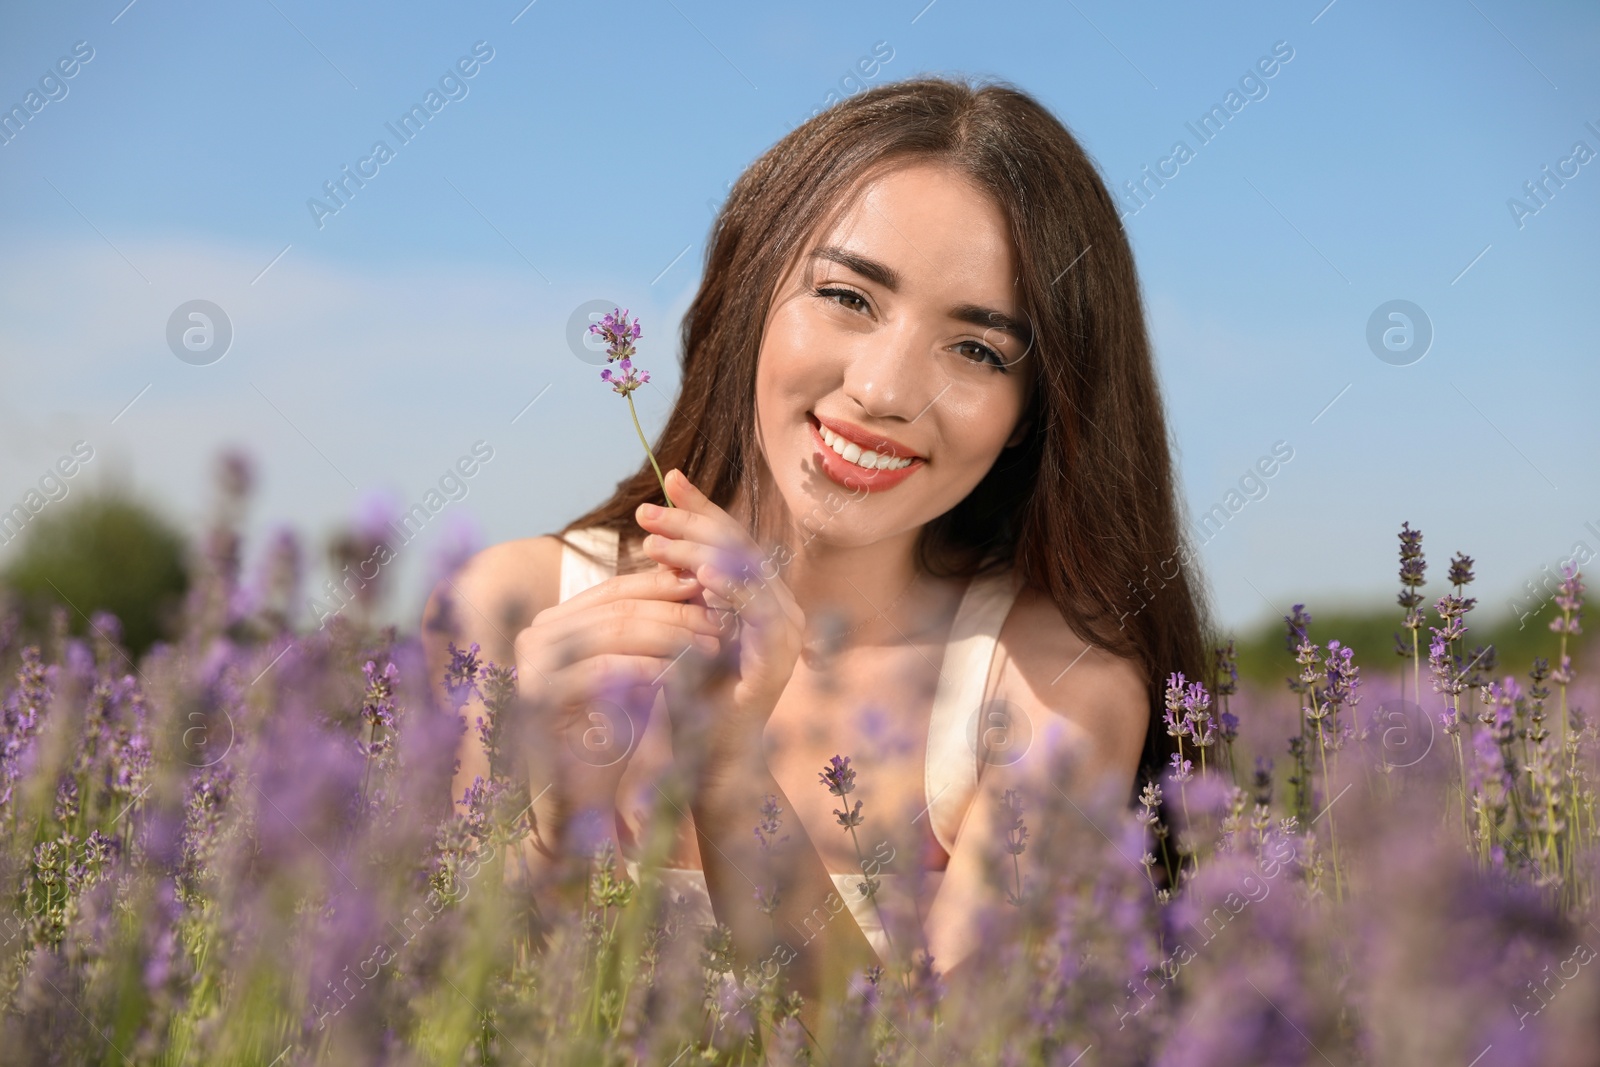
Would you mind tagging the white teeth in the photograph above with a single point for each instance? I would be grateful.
(854, 453)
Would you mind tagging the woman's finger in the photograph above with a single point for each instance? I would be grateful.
(689, 524)
(735, 578)
(662, 585)
(622, 611)
(631, 637)
(738, 541)
(590, 678)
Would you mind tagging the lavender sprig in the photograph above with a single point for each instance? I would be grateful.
(840, 778)
(1227, 685)
(768, 899)
(620, 332)
(1016, 834)
(1413, 566)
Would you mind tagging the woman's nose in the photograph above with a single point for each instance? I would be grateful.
(889, 374)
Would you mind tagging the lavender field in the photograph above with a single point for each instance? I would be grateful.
(237, 850)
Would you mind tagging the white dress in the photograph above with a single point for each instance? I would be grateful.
(950, 777)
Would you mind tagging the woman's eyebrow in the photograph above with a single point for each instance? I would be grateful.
(886, 276)
(870, 269)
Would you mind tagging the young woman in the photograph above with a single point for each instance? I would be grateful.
(920, 447)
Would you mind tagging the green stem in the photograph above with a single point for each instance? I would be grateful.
(862, 863)
(640, 430)
(1416, 664)
(1569, 768)
(1333, 841)
(1188, 824)
(366, 776)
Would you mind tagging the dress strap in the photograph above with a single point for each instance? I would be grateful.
(951, 775)
(579, 572)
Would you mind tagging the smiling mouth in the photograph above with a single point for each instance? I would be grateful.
(855, 454)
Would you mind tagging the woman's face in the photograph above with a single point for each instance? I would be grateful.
(898, 341)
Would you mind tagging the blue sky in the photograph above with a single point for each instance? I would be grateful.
(583, 162)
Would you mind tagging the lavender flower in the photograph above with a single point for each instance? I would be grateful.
(1177, 723)
(1227, 663)
(23, 713)
(1412, 569)
(626, 382)
(767, 900)
(461, 674)
(1569, 598)
(1016, 832)
(377, 708)
(66, 809)
(619, 334)
(499, 688)
(849, 819)
(771, 822)
(1297, 625)
(839, 776)
(1150, 804)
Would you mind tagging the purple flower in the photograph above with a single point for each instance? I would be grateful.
(618, 332)
(839, 776)
(620, 335)
(23, 714)
(626, 382)
(849, 819)
(1150, 804)
(1412, 568)
(1343, 676)
(1229, 726)
(1015, 830)
(767, 901)
(1177, 723)
(1569, 598)
(771, 822)
(66, 809)
(461, 673)
(1297, 623)
(1490, 766)
(377, 707)
(1227, 664)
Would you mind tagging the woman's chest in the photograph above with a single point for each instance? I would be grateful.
(873, 709)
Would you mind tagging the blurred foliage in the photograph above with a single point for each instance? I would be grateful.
(101, 552)
(1265, 657)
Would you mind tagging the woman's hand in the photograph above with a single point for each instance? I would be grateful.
(590, 667)
(763, 622)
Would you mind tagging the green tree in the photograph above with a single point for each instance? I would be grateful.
(101, 552)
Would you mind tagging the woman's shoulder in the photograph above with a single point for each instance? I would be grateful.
(509, 581)
(1050, 666)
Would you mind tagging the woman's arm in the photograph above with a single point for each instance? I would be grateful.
(1078, 703)
(488, 602)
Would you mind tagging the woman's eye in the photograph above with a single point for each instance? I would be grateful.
(847, 294)
(982, 353)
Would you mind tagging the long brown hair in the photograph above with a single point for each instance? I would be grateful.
(1085, 507)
